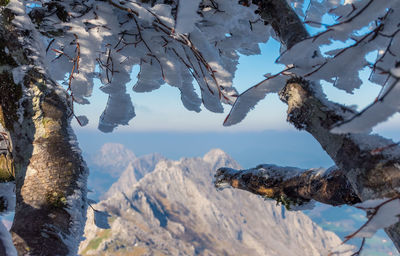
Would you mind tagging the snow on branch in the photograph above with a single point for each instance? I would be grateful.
(173, 43)
(82, 120)
(381, 213)
(182, 41)
(249, 98)
(365, 27)
(290, 186)
(290, 31)
(186, 15)
(384, 106)
(370, 26)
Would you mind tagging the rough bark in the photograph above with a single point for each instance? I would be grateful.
(50, 172)
(286, 24)
(372, 175)
(291, 186)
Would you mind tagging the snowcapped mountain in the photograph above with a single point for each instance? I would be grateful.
(175, 210)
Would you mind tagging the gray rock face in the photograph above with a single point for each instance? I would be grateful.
(175, 210)
(135, 171)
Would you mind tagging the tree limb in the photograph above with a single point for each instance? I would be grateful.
(284, 20)
(291, 186)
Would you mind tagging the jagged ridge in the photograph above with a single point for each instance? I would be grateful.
(175, 210)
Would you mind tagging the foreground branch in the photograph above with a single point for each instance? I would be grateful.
(291, 186)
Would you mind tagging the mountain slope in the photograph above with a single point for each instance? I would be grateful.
(175, 210)
(115, 164)
(135, 171)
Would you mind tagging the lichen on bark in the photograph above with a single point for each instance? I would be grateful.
(56, 199)
(4, 2)
(10, 93)
(7, 168)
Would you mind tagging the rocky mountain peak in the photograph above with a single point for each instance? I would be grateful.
(113, 154)
(218, 158)
(135, 170)
(176, 210)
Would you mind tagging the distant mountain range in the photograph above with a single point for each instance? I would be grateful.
(164, 207)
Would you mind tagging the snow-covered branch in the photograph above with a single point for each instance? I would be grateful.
(365, 27)
(172, 42)
(290, 186)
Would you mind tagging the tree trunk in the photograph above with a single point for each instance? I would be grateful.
(50, 172)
